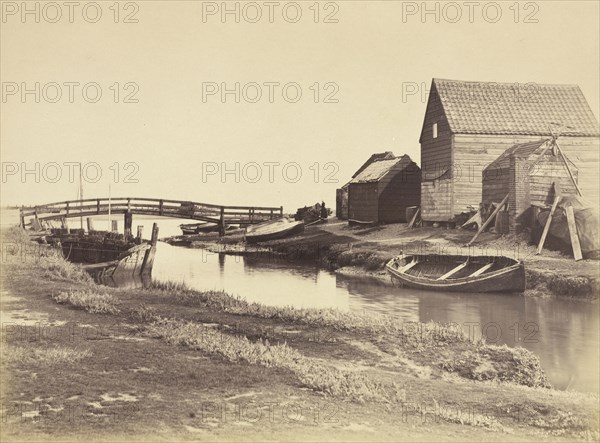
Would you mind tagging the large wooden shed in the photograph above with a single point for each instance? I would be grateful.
(467, 125)
(383, 190)
(527, 172)
(341, 194)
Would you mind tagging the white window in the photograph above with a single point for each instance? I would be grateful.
(434, 130)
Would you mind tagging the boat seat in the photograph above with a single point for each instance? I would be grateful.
(482, 270)
(408, 266)
(454, 271)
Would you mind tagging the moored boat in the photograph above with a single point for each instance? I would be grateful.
(110, 258)
(273, 229)
(458, 273)
(197, 228)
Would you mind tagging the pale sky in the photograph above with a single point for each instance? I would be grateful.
(371, 54)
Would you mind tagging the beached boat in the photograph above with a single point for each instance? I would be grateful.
(133, 266)
(109, 258)
(197, 228)
(458, 273)
(273, 229)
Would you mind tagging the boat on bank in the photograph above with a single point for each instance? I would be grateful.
(197, 228)
(458, 273)
(273, 230)
(108, 257)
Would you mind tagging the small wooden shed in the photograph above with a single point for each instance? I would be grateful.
(341, 194)
(526, 173)
(383, 190)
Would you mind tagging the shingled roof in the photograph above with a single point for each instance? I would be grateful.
(375, 157)
(514, 109)
(378, 169)
(530, 150)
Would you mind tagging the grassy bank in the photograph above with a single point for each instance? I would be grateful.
(172, 363)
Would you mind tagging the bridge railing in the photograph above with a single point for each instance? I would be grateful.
(150, 206)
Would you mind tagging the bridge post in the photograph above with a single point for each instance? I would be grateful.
(222, 222)
(138, 237)
(128, 220)
(98, 206)
(160, 207)
(114, 226)
(67, 208)
(22, 218)
(90, 224)
(281, 211)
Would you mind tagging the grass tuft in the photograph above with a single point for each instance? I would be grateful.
(45, 356)
(88, 300)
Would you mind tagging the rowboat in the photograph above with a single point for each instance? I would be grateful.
(458, 273)
(196, 228)
(273, 229)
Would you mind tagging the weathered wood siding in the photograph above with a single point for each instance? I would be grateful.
(472, 153)
(397, 191)
(341, 203)
(363, 202)
(436, 157)
(495, 185)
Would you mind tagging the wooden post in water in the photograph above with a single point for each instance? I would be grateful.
(140, 229)
(149, 257)
(222, 222)
(90, 224)
(114, 226)
(128, 220)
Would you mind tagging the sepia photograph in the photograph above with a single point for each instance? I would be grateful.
(300, 221)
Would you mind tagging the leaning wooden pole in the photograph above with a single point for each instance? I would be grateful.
(549, 220)
(573, 233)
(489, 219)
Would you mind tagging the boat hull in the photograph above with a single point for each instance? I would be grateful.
(273, 230)
(509, 278)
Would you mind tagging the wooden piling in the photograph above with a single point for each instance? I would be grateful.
(149, 257)
(114, 226)
(128, 221)
(140, 229)
(90, 224)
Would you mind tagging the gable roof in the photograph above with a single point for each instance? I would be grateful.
(379, 169)
(530, 150)
(373, 158)
(513, 109)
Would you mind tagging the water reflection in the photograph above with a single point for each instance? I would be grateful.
(563, 333)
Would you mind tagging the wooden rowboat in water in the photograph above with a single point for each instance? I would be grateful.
(457, 273)
(273, 229)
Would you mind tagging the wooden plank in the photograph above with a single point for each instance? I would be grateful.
(573, 233)
(549, 220)
(489, 219)
(454, 271)
(408, 266)
(482, 270)
(414, 219)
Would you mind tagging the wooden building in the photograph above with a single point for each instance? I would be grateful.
(526, 172)
(467, 125)
(383, 190)
(341, 194)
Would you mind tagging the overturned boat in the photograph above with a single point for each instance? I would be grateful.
(458, 273)
(273, 229)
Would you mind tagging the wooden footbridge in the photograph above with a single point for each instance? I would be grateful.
(39, 216)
